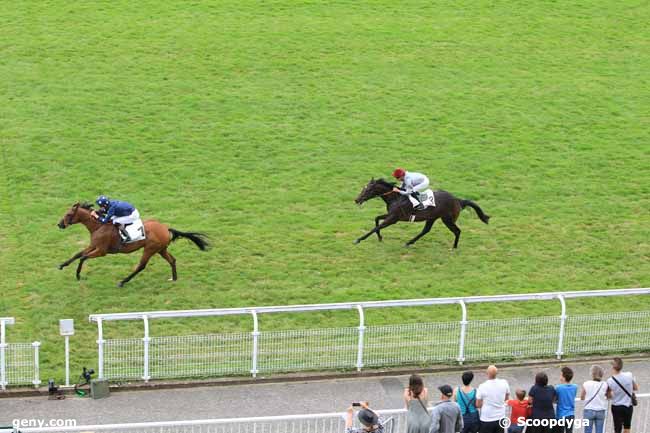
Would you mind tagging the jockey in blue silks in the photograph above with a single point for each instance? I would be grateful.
(120, 213)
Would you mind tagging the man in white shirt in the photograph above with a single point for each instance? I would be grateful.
(491, 398)
(621, 388)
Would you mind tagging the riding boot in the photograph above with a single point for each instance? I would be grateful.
(420, 205)
(124, 234)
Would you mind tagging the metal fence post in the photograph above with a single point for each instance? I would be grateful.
(560, 343)
(463, 330)
(37, 374)
(100, 349)
(256, 335)
(3, 346)
(362, 330)
(145, 341)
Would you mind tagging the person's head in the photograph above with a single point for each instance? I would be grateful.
(521, 394)
(617, 365)
(368, 419)
(492, 372)
(541, 379)
(467, 378)
(416, 385)
(566, 374)
(399, 174)
(446, 392)
(596, 372)
(102, 201)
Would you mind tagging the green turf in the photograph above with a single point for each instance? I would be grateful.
(259, 123)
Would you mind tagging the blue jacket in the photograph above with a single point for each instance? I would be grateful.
(118, 209)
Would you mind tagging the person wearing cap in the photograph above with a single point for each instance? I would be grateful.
(412, 184)
(445, 415)
(368, 419)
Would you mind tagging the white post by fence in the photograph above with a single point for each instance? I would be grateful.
(560, 342)
(67, 360)
(145, 341)
(37, 374)
(100, 349)
(3, 346)
(256, 335)
(463, 330)
(362, 330)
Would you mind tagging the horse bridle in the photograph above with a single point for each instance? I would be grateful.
(69, 219)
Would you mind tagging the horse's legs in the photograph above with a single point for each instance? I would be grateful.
(143, 264)
(91, 254)
(75, 257)
(425, 230)
(451, 225)
(172, 262)
(387, 222)
(380, 217)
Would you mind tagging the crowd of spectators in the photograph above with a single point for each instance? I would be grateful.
(543, 409)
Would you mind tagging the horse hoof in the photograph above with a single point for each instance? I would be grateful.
(120, 284)
(60, 267)
(78, 277)
(356, 242)
(407, 245)
(171, 279)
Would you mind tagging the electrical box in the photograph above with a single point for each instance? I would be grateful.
(66, 327)
(99, 388)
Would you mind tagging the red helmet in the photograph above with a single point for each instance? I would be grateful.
(399, 172)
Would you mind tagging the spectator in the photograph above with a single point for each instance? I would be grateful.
(566, 400)
(418, 419)
(594, 391)
(621, 391)
(541, 397)
(368, 419)
(490, 398)
(465, 397)
(445, 415)
(520, 408)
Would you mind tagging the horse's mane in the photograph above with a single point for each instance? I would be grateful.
(86, 205)
(385, 182)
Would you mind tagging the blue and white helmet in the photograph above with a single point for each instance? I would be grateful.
(102, 201)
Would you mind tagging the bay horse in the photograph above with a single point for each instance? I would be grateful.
(399, 207)
(105, 239)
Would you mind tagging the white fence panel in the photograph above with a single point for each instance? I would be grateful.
(19, 362)
(270, 351)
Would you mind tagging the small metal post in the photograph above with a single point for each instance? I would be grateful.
(100, 348)
(37, 374)
(3, 346)
(463, 330)
(255, 334)
(145, 340)
(67, 360)
(362, 330)
(560, 343)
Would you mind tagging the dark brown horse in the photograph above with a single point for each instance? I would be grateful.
(400, 208)
(105, 239)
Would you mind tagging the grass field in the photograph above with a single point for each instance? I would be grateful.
(259, 123)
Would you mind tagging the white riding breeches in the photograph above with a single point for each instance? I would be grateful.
(421, 186)
(125, 220)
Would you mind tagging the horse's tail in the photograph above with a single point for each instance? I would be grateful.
(485, 218)
(199, 239)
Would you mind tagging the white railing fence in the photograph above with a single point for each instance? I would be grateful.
(395, 422)
(19, 363)
(269, 351)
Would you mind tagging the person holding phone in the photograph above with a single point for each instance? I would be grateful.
(370, 421)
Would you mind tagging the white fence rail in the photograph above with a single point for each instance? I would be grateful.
(18, 361)
(311, 423)
(271, 351)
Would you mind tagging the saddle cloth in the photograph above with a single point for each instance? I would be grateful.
(136, 231)
(427, 197)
